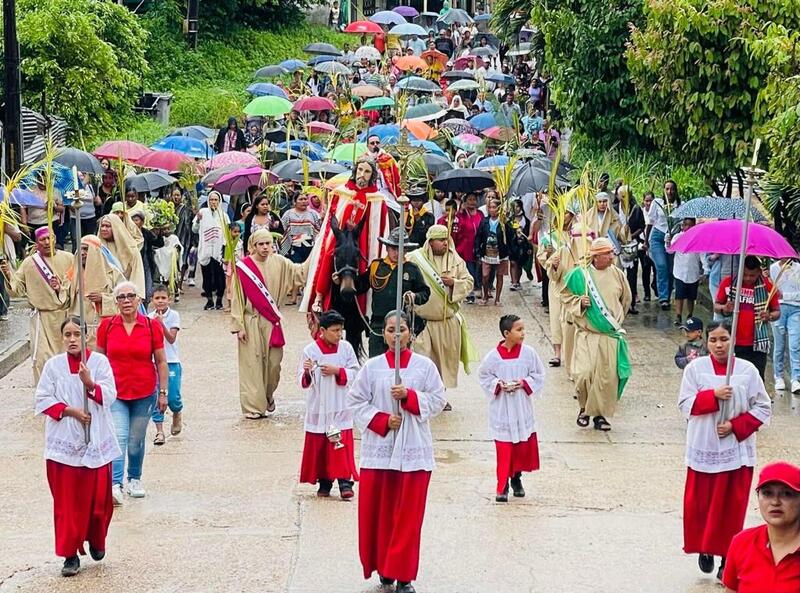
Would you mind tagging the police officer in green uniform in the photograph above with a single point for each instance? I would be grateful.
(381, 278)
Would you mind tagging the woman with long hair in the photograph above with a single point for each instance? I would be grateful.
(260, 217)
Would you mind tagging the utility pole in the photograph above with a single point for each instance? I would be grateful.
(12, 116)
(191, 24)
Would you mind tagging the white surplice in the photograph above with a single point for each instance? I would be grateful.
(511, 415)
(410, 448)
(326, 400)
(64, 439)
(705, 451)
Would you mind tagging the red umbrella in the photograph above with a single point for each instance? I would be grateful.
(320, 127)
(169, 160)
(498, 133)
(313, 104)
(122, 149)
(226, 159)
(238, 182)
(363, 27)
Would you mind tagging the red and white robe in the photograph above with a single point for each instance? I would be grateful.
(719, 470)
(396, 465)
(512, 421)
(326, 408)
(79, 475)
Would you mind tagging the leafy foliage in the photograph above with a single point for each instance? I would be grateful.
(584, 51)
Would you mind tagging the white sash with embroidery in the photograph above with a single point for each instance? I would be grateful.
(595, 295)
(262, 288)
(44, 269)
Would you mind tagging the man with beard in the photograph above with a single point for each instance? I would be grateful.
(389, 179)
(357, 201)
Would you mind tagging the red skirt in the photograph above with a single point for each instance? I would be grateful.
(714, 506)
(391, 507)
(82, 506)
(513, 458)
(322, 462)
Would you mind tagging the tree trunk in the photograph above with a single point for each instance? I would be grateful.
(740, 180)
(728, 186)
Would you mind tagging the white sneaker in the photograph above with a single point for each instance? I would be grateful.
(116, 494)
(135, 489)
(191, 282)
(780, 384)
(795, 386)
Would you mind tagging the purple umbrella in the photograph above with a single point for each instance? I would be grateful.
(238, 182)
(407, 11)
(725, 236)
(460, 126)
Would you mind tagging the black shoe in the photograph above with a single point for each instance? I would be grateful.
(346, 489)
(470, 299)
(405, 588)
(209, 305)
(502, 496)
(97, 555)
(678, 321)
(71, 566)
(706, 563)
(387, 582)
(218, 306)
(664, 305)
(647, 299)
(633, 311)
(516, 486)
(721, 568)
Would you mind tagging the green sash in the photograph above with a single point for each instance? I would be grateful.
(600, 318)
(468, 352)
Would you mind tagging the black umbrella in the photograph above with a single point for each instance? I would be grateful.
(270, 71)
(458, 75)
(463, 180)
(288, 169)
(437, 164)
(490, 39)
(325, 170)
(322, 49)
(148, 182)
(83, 161)
(532, 177)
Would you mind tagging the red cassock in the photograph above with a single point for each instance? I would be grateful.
(513, 458)
(391, 509)
(82, 506)
(321, 461)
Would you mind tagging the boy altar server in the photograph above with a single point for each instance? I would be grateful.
(510, 374)
(327, 367)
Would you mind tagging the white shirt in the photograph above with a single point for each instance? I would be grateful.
(64, 439)
(511, 415)
(326, 400)
(172, 319)
(788, 284)
(658, 215)
(705, 451)
(687, 267)
(410, 448)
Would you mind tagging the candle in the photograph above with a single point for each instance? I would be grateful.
(75, 178)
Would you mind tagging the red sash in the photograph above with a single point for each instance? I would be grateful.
(255, 290)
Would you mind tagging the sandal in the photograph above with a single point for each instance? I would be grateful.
(555, 362)
(447, 407)
(252, 415)
(601, 424)
(160, 439)
(583, 419)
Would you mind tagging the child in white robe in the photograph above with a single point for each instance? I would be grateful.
(510, 375)
(327, 367)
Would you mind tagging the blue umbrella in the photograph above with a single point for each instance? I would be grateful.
(483, 121)
(262, 89)
(192, 147)
(483, 17)
(387, 17)
(61, 176)
(407, 29)
(197, 132)
(293, 65)
(500, 78)
(715, 207)
(382, 131)
(314, 151)
(22, 197)
(320, 59)
(492, 162)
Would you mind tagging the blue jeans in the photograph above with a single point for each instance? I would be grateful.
(474, 269)
(788, 325)
(130, 420)
(174, 401)
(661, 261)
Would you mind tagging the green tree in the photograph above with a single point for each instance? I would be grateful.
(81, 59)
(698, 80)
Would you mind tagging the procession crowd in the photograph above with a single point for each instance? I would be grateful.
(339, 241)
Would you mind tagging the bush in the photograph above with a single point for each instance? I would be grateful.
(206, 107)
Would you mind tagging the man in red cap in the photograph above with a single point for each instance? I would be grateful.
(767, 557)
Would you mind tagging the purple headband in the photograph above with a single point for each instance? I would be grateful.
(41, 232)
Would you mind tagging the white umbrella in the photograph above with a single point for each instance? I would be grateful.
(332, 68)
(369, 52)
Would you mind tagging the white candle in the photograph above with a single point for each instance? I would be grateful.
(75, 177)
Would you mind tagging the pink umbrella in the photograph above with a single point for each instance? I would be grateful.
(313, 104)
(463, 62)
(226, 159)
(238, 182)
(320, 127)
(725, 236)
(169, 160)
(122, 149)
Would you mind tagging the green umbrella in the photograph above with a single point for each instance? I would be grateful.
(269, 106)
(347, 152)
(425, 112)
(378, 102)
(463, 85)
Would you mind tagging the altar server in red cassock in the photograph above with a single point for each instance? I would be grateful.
(79, 474)
(396, 456)
(511, 375)
(327, 367)
(720, 446)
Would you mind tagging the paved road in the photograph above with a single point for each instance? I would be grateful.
(224, 512)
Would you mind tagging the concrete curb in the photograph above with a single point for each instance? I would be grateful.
(13, 356)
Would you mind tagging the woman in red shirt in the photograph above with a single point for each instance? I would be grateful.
(767, 557)
(132, 344)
